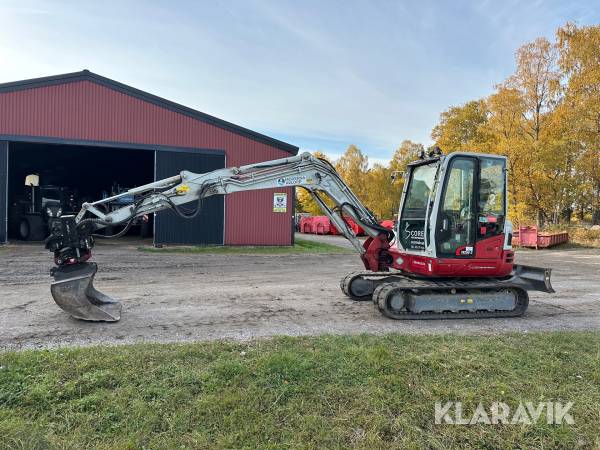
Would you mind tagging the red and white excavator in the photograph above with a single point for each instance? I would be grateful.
(450, 255)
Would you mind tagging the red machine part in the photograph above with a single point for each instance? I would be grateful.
(389, 224)
(59, 261)
(377, 257)
(489, 260)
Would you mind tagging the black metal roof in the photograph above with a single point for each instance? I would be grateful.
(424, 161)
(86, 75)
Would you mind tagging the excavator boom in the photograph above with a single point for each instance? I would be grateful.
(305, 171)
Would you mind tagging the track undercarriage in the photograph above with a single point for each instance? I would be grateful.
(403, 296)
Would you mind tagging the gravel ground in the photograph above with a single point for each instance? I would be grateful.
(182, 297)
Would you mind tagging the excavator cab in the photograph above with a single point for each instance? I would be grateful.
(454, 208)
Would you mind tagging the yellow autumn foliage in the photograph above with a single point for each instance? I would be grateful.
(545, 118)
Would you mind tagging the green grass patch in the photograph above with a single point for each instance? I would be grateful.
(323, 392)
(300, 246)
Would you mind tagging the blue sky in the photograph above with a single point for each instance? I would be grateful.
(318, 74)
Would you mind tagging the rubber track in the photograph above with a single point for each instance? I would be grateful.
(348, 279)
(387, 282)
(384, 290)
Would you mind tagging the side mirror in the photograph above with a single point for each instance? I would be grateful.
(32, 180)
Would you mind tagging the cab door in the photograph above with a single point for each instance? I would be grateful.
(456, 221)
(412, 224)
(491, 211)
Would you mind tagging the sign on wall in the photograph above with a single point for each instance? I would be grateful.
(280, 202)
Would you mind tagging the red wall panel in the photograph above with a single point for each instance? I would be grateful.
(84, 110)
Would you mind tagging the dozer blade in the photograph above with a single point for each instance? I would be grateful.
(532, 278)
(73, 290)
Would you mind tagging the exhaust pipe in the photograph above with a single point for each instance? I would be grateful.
(73, 291)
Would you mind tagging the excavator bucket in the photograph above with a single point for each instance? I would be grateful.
(73, 290)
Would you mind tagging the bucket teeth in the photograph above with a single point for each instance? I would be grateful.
(73, 291)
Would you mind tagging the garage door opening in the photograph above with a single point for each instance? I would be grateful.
(67, 176)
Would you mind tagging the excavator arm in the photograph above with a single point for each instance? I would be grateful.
(72, 238)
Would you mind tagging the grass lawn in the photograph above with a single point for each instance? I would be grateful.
(323, 392)
(300, 246)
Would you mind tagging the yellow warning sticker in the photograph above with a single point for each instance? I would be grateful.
(183, 189)
(280, 202)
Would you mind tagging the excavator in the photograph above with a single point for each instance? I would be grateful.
(449, 256)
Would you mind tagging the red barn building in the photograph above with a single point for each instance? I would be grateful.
(93, 136)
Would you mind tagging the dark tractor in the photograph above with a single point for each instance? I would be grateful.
(36, 206)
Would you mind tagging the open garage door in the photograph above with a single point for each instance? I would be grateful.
(3, 191)
(207, 227)
(68, 176)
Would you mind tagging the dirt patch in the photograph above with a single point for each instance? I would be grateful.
(180, 297)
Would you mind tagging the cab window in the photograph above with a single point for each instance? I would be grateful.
(411, 227)
(456, 224)
(492, 197)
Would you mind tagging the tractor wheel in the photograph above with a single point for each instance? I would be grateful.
(24, 229)
(145, 230)
(32, 228)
